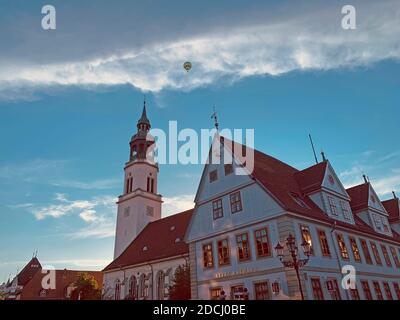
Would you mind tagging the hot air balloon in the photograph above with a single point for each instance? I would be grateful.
(187, 66)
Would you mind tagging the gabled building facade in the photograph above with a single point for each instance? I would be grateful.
(238, 220)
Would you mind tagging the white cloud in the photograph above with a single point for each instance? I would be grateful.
(97, 184)
(21, 206)
(389, 156)
(79, 263)
(177, 204)
(88, 215)
(103, 228)
(64, 208)
(385, 185)
(383, 181)
(313, 41)
(98, 213)
(32, 169)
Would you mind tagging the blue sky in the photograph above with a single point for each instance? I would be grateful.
(70, 99)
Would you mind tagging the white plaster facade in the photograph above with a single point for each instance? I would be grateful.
(152, 287)
(260, 209)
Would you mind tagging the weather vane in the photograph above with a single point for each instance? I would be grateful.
(214, 116)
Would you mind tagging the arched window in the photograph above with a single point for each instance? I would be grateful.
(142, 286)
(117, 295)
(134, 152)
(132, 287)
(160, 285)
(167, 281)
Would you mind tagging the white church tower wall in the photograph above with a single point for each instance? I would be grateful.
(140, 203)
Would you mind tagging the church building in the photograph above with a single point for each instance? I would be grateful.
(148, 248)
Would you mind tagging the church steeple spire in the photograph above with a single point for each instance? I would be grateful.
(143, 123)
(141, 140)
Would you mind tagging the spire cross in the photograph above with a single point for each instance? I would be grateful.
(214, 116)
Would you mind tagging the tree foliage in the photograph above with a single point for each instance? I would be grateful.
(180, 289)
(86, 288)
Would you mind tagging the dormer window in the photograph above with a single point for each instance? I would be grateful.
(177, 240)
(299, 200)
(145, 248)
(213, 175)
(228, 168)
(43, 293)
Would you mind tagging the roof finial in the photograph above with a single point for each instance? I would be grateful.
(323, 155)
(144, 105)
(214, 116)
(394, 194)
(365, 178)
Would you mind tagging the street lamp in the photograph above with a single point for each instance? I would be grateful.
(295, 262)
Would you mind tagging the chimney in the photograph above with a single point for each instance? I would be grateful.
(323, 156)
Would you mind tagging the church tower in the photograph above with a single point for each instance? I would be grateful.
(140, 203)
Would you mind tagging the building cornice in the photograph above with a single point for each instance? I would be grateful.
(139, 193)
(147, 263)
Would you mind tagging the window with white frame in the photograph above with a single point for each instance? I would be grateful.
(345, 210)
(377, 221)
(385, 224)
(332, 205)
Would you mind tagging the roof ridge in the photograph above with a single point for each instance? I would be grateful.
(260, 153)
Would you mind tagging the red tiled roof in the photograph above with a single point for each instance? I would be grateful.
(64, 278)
(311, 179)
(359, 196)
(159, 237)
(281, 180)
(28, 272)
(392, 206)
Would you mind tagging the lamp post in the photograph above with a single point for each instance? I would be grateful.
(295, 262)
